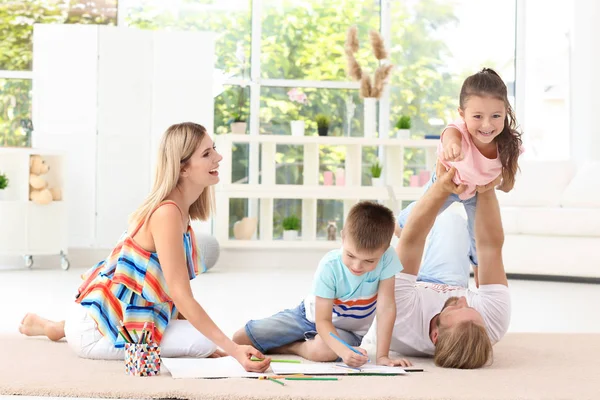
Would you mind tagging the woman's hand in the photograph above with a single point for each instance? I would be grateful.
(243, 355)
(444, 180)
(491, 185)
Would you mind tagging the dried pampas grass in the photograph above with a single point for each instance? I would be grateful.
(368, 88)
(382, 76)
(354, 70)
(351, 46)
(378, 46)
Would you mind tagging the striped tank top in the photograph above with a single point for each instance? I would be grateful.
(129, 286)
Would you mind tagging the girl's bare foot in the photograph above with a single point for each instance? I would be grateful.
(34, 325)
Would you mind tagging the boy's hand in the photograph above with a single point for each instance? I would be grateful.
(355, 360)
(453, 151)
(393, 362)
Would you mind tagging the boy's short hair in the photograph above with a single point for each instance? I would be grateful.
(370, 225)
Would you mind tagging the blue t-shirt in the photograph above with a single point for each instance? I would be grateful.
(354, 297)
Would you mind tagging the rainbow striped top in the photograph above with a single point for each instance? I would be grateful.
(129, 286)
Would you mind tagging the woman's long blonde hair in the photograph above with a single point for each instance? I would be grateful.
(177, 145)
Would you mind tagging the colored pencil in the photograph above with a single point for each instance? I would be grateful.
(310, 378)
(342, 341)
(278, 361)
(348, 367)
(122, 334)
(126, 332)
(276, 381)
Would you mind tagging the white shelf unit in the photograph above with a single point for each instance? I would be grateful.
(391, 156)
(104, 95)
(28, 229)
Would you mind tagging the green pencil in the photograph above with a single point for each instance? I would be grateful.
(309, 378)
(276, 381)
(278, 361)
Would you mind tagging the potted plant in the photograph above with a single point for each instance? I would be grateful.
(296, 96)
(3, 185)
(403, 127)
(291, 226)
(376, 173)
(323, 122)
(238, 125)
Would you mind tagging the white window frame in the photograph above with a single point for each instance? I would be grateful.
(256, 83)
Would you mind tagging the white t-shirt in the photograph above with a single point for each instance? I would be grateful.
(418, 302)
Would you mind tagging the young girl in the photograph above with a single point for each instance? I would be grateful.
(483, 145)
(146, 278)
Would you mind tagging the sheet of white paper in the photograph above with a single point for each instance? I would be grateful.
(223, 367)
(331, 369)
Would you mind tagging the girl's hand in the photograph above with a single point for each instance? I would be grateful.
(393, 362)
(243, 354)
(453, 151)
(491, 185)
(355, 360)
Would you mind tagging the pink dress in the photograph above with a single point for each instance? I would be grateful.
(474, 169)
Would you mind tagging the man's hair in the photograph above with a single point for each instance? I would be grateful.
(370, 225)
(465, 346)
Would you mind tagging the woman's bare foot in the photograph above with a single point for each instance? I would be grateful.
(34, 325)
(218, 353)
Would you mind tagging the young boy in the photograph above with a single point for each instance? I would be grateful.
(349, 285)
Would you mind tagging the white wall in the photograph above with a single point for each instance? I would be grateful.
(585, 81)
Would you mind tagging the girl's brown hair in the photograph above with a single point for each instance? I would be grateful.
(488, 83)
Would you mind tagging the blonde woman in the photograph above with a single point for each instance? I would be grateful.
(436, 314)
(146, 278)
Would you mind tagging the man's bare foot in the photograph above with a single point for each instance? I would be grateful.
(34, 325)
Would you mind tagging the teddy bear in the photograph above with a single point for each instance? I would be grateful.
(39, 192)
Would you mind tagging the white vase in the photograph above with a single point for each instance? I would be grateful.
(403, 134)
(244, 229)
(290, 235)
(2, 195)
(376, 182)
(238, 128)
(369, 116)
(297, 128)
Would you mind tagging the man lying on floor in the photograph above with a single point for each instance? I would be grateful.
(436, 313)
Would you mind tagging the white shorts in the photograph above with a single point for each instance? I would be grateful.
(180, 339)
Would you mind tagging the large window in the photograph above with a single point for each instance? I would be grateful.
(546, 83)
(16, 30)
(265, 48)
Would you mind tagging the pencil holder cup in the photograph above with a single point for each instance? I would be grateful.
(142, 359)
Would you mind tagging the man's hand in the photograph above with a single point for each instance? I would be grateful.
(444, 180)
(453, 151)
(393, 362)
(491, 185)
(355, 360)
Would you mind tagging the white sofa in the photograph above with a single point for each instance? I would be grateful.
(551, 220)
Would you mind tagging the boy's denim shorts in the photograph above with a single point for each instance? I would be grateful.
(286, 327)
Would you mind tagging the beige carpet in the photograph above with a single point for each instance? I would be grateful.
(526, 366)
